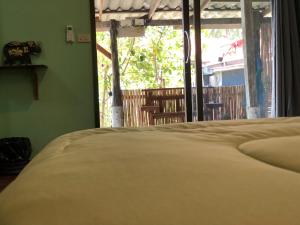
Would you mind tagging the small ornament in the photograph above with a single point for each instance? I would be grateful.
(21, 52)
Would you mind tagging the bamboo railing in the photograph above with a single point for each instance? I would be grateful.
(163, 106)
(133, 100)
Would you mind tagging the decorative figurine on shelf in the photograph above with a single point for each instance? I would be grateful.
(20, 52)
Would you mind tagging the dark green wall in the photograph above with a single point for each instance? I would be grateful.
(66, 88)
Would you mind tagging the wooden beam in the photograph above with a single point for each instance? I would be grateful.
(236, 1)
(249, 59)
(216, 23)
(221, 23)
(204, 4)
(103, 51)
(132, 31)
(187, 61)
(100, 8)
(222, 26)
(154, 5)
(117, 103)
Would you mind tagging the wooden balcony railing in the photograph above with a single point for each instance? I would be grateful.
(162, 106)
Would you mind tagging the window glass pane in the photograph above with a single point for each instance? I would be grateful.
(225, 54)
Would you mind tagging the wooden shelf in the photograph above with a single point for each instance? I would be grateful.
(33, 69)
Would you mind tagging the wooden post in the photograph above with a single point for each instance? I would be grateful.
(187, 61)
(117, 103)
(249, 59)
(258, 18)
(198, 59)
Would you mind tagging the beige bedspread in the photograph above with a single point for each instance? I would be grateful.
(211, 173)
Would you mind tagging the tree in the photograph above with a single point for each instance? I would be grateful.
(153, 61)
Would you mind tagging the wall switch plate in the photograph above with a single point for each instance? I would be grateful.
(84, 38)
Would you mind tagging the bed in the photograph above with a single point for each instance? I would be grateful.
(207, 173)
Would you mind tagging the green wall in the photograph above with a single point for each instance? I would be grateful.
(66, 88)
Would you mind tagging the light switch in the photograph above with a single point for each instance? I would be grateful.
(70, 34)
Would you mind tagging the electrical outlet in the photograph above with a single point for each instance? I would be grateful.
(84, 38)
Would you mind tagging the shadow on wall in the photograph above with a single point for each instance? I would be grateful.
(16, 90)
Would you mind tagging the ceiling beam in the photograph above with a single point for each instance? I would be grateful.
(237, 1)
(173, 10)
(213, 23)
(204, 4)
(154, 5)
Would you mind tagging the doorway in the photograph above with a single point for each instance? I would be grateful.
(232, 86)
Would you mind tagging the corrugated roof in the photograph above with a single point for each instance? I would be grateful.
(125, 5)
(171, 9)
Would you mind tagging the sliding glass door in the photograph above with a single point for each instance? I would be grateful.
(236, 60)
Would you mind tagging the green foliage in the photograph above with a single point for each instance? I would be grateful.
(153, 61)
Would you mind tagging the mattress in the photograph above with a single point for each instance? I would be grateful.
(207, 173)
